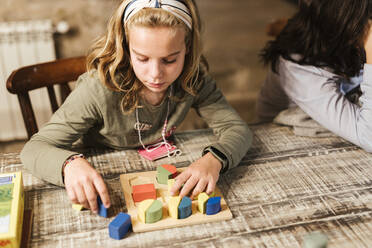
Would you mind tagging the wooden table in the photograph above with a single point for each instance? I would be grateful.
(286, 186)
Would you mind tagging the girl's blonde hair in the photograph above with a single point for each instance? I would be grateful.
(110, 53)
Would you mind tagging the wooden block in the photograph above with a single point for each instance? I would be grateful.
(143, 206)
(77, 207)
(213, 205)
(119, 226)
(196, 197)
(143, 192)
(171, 168)
(165, 172)
(102, 211)
(184, 209)
(155, 212)
(173, 204)
(163, 175)
(129, 179)
(170, 185)
(202, 201)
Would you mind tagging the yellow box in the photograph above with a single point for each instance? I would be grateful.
(11, 209)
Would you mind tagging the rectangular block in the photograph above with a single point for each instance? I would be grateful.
(173, 204)
(102, 211)
(143, 192)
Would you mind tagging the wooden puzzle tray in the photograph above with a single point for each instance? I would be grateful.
(128, 180)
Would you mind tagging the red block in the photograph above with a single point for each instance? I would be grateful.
(143, 191)
(171, 168)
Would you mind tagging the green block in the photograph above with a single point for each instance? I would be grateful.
(163, 175)
(155, 212)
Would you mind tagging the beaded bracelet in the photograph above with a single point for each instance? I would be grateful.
(73, 157)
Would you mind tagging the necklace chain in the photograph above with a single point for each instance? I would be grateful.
(171, 149)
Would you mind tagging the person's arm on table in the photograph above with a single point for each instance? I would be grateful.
(47, 151)
(234, 140)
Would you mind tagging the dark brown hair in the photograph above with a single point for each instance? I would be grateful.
(325, 33)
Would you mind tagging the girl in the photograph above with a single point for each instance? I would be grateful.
(143, 77)
(317, 63)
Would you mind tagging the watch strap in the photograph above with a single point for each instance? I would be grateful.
(218, 155)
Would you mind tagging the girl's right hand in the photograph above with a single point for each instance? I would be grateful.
(82, 182)
(368, 45)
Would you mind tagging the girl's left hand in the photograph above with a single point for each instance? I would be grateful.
(202, 175)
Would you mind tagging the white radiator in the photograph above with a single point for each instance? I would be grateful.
(23, 43)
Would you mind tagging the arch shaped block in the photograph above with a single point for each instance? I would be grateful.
(184, 209)
(213, 205)
(155, 212)
(165, 172)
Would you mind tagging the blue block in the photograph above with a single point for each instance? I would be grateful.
(101, 208)
(119, 226)
(184, 208)
(213, 205)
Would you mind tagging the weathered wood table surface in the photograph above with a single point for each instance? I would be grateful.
(285, 187)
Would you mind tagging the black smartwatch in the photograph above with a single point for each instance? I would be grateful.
(219, 155)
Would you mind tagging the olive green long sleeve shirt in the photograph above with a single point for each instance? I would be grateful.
(92, 113)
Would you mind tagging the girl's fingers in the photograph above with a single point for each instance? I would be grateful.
(91, 196)
(189, 185)
(80, 194)
(71, 195)
(202, 184)
(211, 187)
(102, 191)
(180, 180)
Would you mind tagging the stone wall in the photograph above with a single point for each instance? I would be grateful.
(234, 32)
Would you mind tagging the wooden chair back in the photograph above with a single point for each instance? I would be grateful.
(57, 72)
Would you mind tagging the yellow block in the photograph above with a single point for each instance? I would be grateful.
(142, 207)
(11, 209)
(173, 204)
(170, 185)
(77, 207)
(202, 201)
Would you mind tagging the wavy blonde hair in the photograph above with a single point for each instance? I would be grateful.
(109, 55)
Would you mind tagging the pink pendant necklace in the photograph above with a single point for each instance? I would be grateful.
(162, 148)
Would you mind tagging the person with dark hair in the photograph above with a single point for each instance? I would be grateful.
(319, 62)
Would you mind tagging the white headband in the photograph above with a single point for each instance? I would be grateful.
(177, 8)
